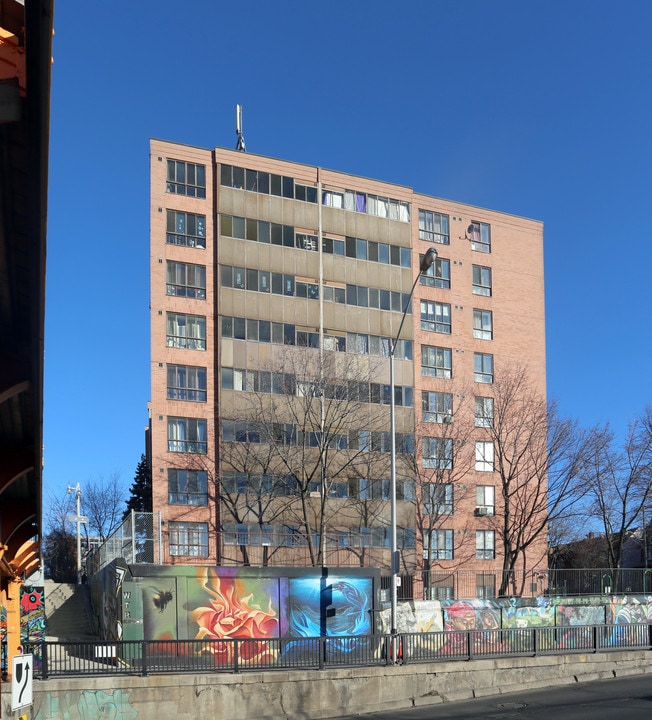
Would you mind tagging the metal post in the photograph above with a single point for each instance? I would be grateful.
(394, 563)
(79, 519)
(133, 536)
(428, 259)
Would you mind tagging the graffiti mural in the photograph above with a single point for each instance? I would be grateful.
(276, 612)
(237, 609)
(32, 614)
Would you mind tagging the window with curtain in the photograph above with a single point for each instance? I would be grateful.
(484, 456)
(481, 280)
(485, 500)
(186, 382)
(436, 361)
(436, 316)
(187, 435)
(438, 544)
(480, 237)
(483, 368)
(433, 226)
(186, 280)
(186, 331)
(484, 545)
(483, 325)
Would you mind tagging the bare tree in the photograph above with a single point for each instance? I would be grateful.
(59, 549)
(441, 464)
(537, 458)
(618, 482)
(307, 423)
(102, 502)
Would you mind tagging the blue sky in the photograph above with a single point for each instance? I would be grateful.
(540, 108)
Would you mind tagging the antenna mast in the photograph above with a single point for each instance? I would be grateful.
(240, 145)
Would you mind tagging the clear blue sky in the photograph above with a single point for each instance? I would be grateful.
(540, 108)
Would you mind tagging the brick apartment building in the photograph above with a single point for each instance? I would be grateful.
(277, 290)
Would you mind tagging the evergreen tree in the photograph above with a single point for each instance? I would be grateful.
(60, 556)
(140, 498)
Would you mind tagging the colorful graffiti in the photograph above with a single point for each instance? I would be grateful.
(275, 611)
(223, 603)
(235, 612)
(32, 614)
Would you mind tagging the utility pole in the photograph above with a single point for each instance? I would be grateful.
(79, 519)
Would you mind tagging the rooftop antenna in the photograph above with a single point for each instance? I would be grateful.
(240, 145)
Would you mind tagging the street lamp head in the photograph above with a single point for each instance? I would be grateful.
(428, 259)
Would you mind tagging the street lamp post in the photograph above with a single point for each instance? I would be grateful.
(78, 519)
(428, 259)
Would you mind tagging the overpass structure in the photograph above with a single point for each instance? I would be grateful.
(25, 71)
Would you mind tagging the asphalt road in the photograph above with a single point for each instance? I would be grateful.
(614, 699)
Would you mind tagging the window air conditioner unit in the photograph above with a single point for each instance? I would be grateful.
(482, 510)
(315, 493)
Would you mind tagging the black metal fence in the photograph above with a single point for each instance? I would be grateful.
(70, 659)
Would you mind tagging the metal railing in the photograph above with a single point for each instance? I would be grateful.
(71, 659)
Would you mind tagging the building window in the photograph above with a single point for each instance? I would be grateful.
(438, 453)
(189, 538)
(436, 361)
(186, 280)
(437, 275)
(480, 237)
(332, 199)
(484, 456)
(187, 487)
(484, 545)
(484, 500)
(433, 227)
(371, 204)
(481, 280)
(186, 331)
(442, 587)
(484, 412)
(437, 407)
(266, 183)
(438, 544)
(436, 316)
(184, 178)
(186, 229)
(186, 383)
(437, 499)
(483, 364)
(187, 435)
(482, 325)
(485, 586)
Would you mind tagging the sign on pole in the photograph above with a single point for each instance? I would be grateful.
(21, 681)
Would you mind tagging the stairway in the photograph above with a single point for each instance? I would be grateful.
(67, 612)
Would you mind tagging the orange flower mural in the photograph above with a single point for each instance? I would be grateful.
(232, 614)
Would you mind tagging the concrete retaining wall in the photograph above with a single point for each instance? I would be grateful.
(311, 694)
